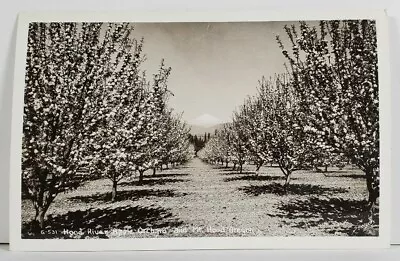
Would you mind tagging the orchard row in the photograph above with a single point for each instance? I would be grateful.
(89, 105)
(323, 111)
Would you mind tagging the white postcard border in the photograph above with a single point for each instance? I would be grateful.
(331, 242)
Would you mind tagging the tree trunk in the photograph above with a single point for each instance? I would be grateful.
(41, 206)
(36, 212)
(41, 215)
(287, 181)
(241, 168)
(234, 166)
(226, 164)
(141, 176)
(114, 191)
(154, 171)
(258, 166)
(326, 168)
(372, 186)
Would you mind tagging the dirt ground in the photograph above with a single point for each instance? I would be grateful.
(199, 199)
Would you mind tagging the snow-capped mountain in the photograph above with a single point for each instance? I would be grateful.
(205, 120)
(205, 123)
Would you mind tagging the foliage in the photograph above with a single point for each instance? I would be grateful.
(335, 75)
(88, 104)
(279, 112)
(67, 64)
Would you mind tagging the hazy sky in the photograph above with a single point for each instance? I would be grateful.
(215, 66)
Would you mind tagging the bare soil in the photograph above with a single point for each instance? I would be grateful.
(198, 199)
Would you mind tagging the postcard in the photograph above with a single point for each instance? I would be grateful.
(155, 131)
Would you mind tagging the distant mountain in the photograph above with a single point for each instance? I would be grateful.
(205, 120)
(200, 130)
(205, 123)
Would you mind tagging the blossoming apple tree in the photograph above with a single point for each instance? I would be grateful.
(335, 75)
(66, 69)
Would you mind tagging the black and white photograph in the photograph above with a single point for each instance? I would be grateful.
(135, 130)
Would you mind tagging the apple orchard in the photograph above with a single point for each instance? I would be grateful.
(92, 112)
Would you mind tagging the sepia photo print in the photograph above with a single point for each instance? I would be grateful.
(201, 129)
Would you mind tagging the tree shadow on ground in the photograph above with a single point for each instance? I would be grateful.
(151, 181)
(92, 222)
(254, 177)
(235, 172)
(351, 176)
(166, 175)
(224, 168)
(331, 214)
(293, 189)
(126, 195)
(221, 167)
(180, 167)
